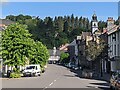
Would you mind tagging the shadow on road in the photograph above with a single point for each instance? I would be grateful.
(103, 84)
(79, 74)
(104, 88)
(69, 75)
(98, 88)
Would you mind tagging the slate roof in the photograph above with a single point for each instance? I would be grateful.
(6, 22)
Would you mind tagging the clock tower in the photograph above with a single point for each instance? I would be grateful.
(94, 23)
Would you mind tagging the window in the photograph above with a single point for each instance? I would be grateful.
(36, 67)
(114, 37)
(30, 67)
(115, 50)
(111, 38)
(118, 50)
(112, 49)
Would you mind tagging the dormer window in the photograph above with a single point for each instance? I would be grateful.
(114, 37)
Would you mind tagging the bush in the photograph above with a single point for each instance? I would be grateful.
(15, 75)
(16, 70)
(64, 57)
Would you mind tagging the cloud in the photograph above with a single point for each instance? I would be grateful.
(3, 0)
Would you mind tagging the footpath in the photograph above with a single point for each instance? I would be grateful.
(105, 76)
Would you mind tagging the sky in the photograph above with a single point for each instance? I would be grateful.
(43, 9)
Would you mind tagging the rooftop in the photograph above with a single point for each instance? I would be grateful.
(5, 22)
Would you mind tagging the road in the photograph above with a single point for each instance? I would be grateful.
(55, 77)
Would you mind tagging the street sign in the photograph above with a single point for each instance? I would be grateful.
(78, 37)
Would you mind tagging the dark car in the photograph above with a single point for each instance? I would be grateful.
(115, 81)
(118, 84)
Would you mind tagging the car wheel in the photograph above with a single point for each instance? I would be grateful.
(38, 74)
(111, 88)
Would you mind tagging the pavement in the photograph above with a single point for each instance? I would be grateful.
(56, 76)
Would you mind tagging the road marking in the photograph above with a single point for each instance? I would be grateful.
(46, 87)
(96, 87)
(51, 84)
(54, 80)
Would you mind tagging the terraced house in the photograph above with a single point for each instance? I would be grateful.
(114, 44)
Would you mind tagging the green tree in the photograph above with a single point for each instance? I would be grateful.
(44, 30)
(102, 25)
(93, 49)
(72, 21)
(76, 23)
(64, 57)
(18, 48)
(16, 43)
(39, 54)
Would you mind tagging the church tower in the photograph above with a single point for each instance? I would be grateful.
(94, 23)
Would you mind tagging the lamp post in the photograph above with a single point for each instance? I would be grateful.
(54, 48)
(78, 42)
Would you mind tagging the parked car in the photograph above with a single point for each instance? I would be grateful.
(75, 67)
(32, 70)
(69, 65)
(115, 81)
(118, 83)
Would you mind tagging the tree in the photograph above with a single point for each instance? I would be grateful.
(44, 29)
(72, 21)
(64, 57)
(39, 54)
(102, 25)
(93, 49)
(18, 47)
(117, 21)
(16, 43)
(76, 23)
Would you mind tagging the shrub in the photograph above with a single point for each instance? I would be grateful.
(64, 57)
(15, 75)
(16, 70)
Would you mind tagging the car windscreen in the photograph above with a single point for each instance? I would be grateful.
(30, 67)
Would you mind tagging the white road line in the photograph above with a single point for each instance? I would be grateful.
(51, 84)
(54, 80)
(46, 87)
(96, 87)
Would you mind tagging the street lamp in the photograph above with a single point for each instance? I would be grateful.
(78, 42)
(54, 48)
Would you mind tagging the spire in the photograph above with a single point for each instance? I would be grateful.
(94, 13)
(94, 17)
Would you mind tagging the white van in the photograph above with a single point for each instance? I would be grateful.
(32, 70)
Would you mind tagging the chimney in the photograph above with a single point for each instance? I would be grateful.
(110, 23)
